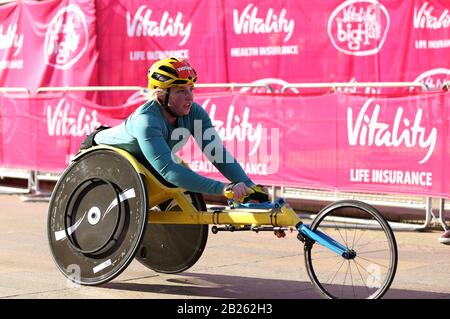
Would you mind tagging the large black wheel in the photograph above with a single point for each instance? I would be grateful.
(171, 248)
(363, 229)
(97, 217)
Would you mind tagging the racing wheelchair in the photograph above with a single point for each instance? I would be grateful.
(107, 209)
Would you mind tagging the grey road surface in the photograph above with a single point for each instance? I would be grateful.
(234, 265)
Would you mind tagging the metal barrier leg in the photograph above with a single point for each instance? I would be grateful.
(442, 214)
(273, 192)
(428, 214)
(430, 218)
(35, 195)
(16, 174)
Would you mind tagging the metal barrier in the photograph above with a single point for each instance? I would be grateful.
(14, 90)
(231, 86)
(36, 192)
(334, 85)
(21, 175)
(31, 178)
(86, 88)
(442, 214)
(34, 177)
(383, 200)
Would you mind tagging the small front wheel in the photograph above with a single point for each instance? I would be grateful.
(369, 272)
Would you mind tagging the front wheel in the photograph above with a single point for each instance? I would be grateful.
(361, 228)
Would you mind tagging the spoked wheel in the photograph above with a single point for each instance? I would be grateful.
(171, 248)
(370, 271)
(97, 217)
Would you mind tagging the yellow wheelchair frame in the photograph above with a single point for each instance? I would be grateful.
(158, 193)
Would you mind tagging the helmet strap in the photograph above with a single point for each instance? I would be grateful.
(166, 104)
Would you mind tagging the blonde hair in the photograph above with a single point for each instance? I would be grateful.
(157, 93)
(154, 94)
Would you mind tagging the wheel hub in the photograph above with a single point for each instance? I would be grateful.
(351, 254)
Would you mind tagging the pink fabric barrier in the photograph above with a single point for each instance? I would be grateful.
(51, 43)
(278, 41)
(348, 142)
(43, 133)
(134, 34)
(338, 41)
(103, 42)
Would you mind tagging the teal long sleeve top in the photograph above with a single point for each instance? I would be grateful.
(149, 137)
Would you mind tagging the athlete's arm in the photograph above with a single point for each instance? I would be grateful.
(158, 154)
(213, 148)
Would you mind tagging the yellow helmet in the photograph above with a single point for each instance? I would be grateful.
(170, 72)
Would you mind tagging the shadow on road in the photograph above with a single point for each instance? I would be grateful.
(198, 285)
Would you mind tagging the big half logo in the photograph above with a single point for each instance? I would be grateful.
(359, 27)
(66, 38)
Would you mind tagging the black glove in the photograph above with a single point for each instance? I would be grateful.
(258, 195)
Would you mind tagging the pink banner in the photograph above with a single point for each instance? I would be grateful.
(45, 132)
(333, 141)
(338, 41)
(51, 43)
(80, 42)
(265, 40)
(274, 138)
(396, 144)
(148, 31)
(351, 142)
(418, 43)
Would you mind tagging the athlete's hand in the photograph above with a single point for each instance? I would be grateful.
(239, 190)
